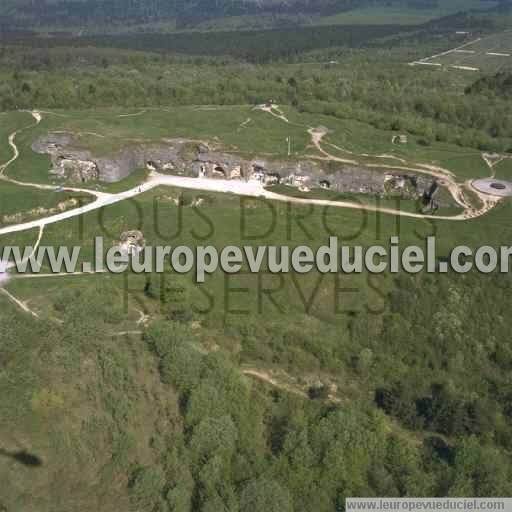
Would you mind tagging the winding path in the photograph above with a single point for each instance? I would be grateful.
(251, 188)
(37, 116)
(446, 178)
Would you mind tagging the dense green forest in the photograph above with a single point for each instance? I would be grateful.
(499, 85)
(259, 46)
(174, 425)
(185, 13)
(371, 85)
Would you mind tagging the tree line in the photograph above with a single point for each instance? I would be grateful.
(388, 96)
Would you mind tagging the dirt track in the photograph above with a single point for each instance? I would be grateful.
(244, 188)
(248, 188)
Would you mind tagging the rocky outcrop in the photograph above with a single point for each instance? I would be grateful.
(79, 166)
(73, 165)
(360, 180)
(197, 159)
(75, 170)
(177, 156)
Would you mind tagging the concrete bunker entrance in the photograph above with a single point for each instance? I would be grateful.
(219, 171)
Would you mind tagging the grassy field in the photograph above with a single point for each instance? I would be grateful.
(499, 43)
(359, 138)
(264, 136)
(220, 223)
(397, 13)
(477, 55)
(9, 122)
(31, 203)
(407, 205)
(89, 400)
(17, 199)
(105, 132)
(503, 170)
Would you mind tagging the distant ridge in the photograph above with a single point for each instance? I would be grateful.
(184, 14)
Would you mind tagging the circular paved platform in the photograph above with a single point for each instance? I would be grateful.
(499, 188)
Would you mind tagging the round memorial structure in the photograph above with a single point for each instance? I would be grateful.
(492, 187)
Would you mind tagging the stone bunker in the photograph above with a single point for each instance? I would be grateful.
(132, 241)
(200, 160)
